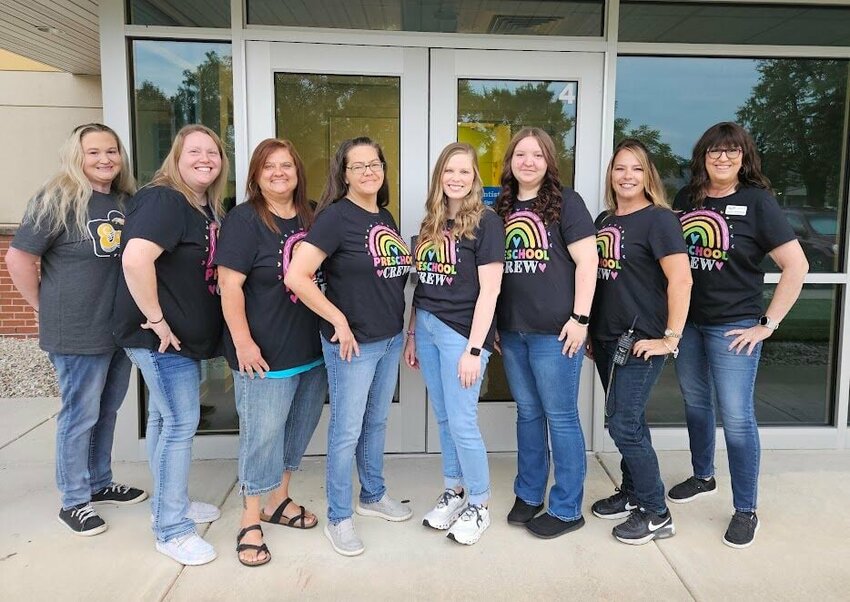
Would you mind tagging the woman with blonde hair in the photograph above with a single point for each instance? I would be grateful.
(642, 296)
(168, 318)
(73, 227)
(450, 336)
(271, 342)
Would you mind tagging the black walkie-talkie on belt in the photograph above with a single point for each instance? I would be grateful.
(621, 356)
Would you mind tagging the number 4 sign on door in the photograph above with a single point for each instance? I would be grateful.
(568, 94)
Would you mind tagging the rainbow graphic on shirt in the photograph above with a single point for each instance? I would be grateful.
(609, 247)
(286, 258)
(526, 244)
(708, 239)
(437, 263)
(390, 256)
(211, 272)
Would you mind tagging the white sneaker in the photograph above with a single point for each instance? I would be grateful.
(344, 538)
(472, 523)
(189, 549)
(201, 512)
(386, 508)
(449, 507)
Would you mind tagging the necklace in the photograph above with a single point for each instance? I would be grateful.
(722, 193)
(273, 210)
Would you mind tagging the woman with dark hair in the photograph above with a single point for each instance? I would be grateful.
(271, 342)
(550, 276)
(168, 318)
(642, 294)
(451, 333)
(73, 227)
(730, 221)
(365, 264)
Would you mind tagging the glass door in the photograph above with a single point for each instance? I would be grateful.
(483, 97)
(318, 95)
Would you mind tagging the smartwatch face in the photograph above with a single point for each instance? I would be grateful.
(764, 320)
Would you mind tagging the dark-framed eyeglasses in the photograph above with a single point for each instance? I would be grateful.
(360, 168)
(731, 153)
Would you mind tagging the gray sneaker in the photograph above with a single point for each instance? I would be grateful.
(344, 538)
(386, 508)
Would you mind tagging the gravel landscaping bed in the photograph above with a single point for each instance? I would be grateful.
(25, 370)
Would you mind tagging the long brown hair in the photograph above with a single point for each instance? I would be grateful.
(336, 188)
(548, 202)
(726, 134)
(436, 210)
(169, 172)
(653, 188)
(254, 196)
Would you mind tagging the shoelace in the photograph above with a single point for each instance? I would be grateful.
(636, 517)
(447, 495)
(84, 513)
(117, 488)
(472, 509)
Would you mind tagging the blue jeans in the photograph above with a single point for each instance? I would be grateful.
(626, 397)
(361, 392)
(464, 456)
(92, 388)
(174, 409)
(708, 372)
(544, 384)
(277, 417)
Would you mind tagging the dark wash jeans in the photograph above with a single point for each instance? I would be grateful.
(627, 394)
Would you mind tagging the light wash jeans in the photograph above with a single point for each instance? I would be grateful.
(277, 417)
(544, 384)
(626, 399)
(464, 456)
(92, 389)
(710, 374)
(174, 409)
(361, 392)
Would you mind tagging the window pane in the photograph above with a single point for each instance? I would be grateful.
(522, 17)
(318, 112)
(175, 84)
(796, 377)
(490, 112)
(187, 13)
(722, 23)
(796, 110)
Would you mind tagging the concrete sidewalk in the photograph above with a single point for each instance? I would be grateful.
(802, 551)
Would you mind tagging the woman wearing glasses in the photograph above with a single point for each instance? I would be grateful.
(168, 318)
(730, 221)
(271, 342)
(459, 260)
(365, 264)
(642, 294)
(73, 227)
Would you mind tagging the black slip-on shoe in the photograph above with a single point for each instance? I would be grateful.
(547, 526)
(521, 513)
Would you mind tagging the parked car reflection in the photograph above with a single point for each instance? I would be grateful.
(817, 231)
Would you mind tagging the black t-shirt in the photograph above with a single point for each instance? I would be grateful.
(79, 272)
(286, 332)
(186, 278)
(448, 275)
(365, 271)
(727, 240)
(538, 287)
(629, 279)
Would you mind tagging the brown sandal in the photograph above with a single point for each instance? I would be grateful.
(278, 518)
(241, 547)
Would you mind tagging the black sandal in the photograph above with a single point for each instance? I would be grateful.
(241, 547)
(278, 518)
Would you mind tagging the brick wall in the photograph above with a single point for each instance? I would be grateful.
(17, 319)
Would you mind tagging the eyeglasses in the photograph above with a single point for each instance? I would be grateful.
(731, 153)
(360, 168)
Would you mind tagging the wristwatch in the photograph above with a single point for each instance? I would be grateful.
(670, 334)
(476, 351)
(768, 323)
(583, 320)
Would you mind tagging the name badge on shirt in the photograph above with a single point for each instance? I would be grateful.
(736, 210)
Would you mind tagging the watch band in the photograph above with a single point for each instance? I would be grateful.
(583, 320)
(476, 351)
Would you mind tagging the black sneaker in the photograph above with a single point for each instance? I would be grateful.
(643, 526)
(691, 489)
(82, 520)
(118, 494)
(616, 506)
(742, 530)
(521, 513)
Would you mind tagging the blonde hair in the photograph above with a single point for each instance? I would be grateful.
(436, 207)
(63, 201)
(652, 186)
(169, 172)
